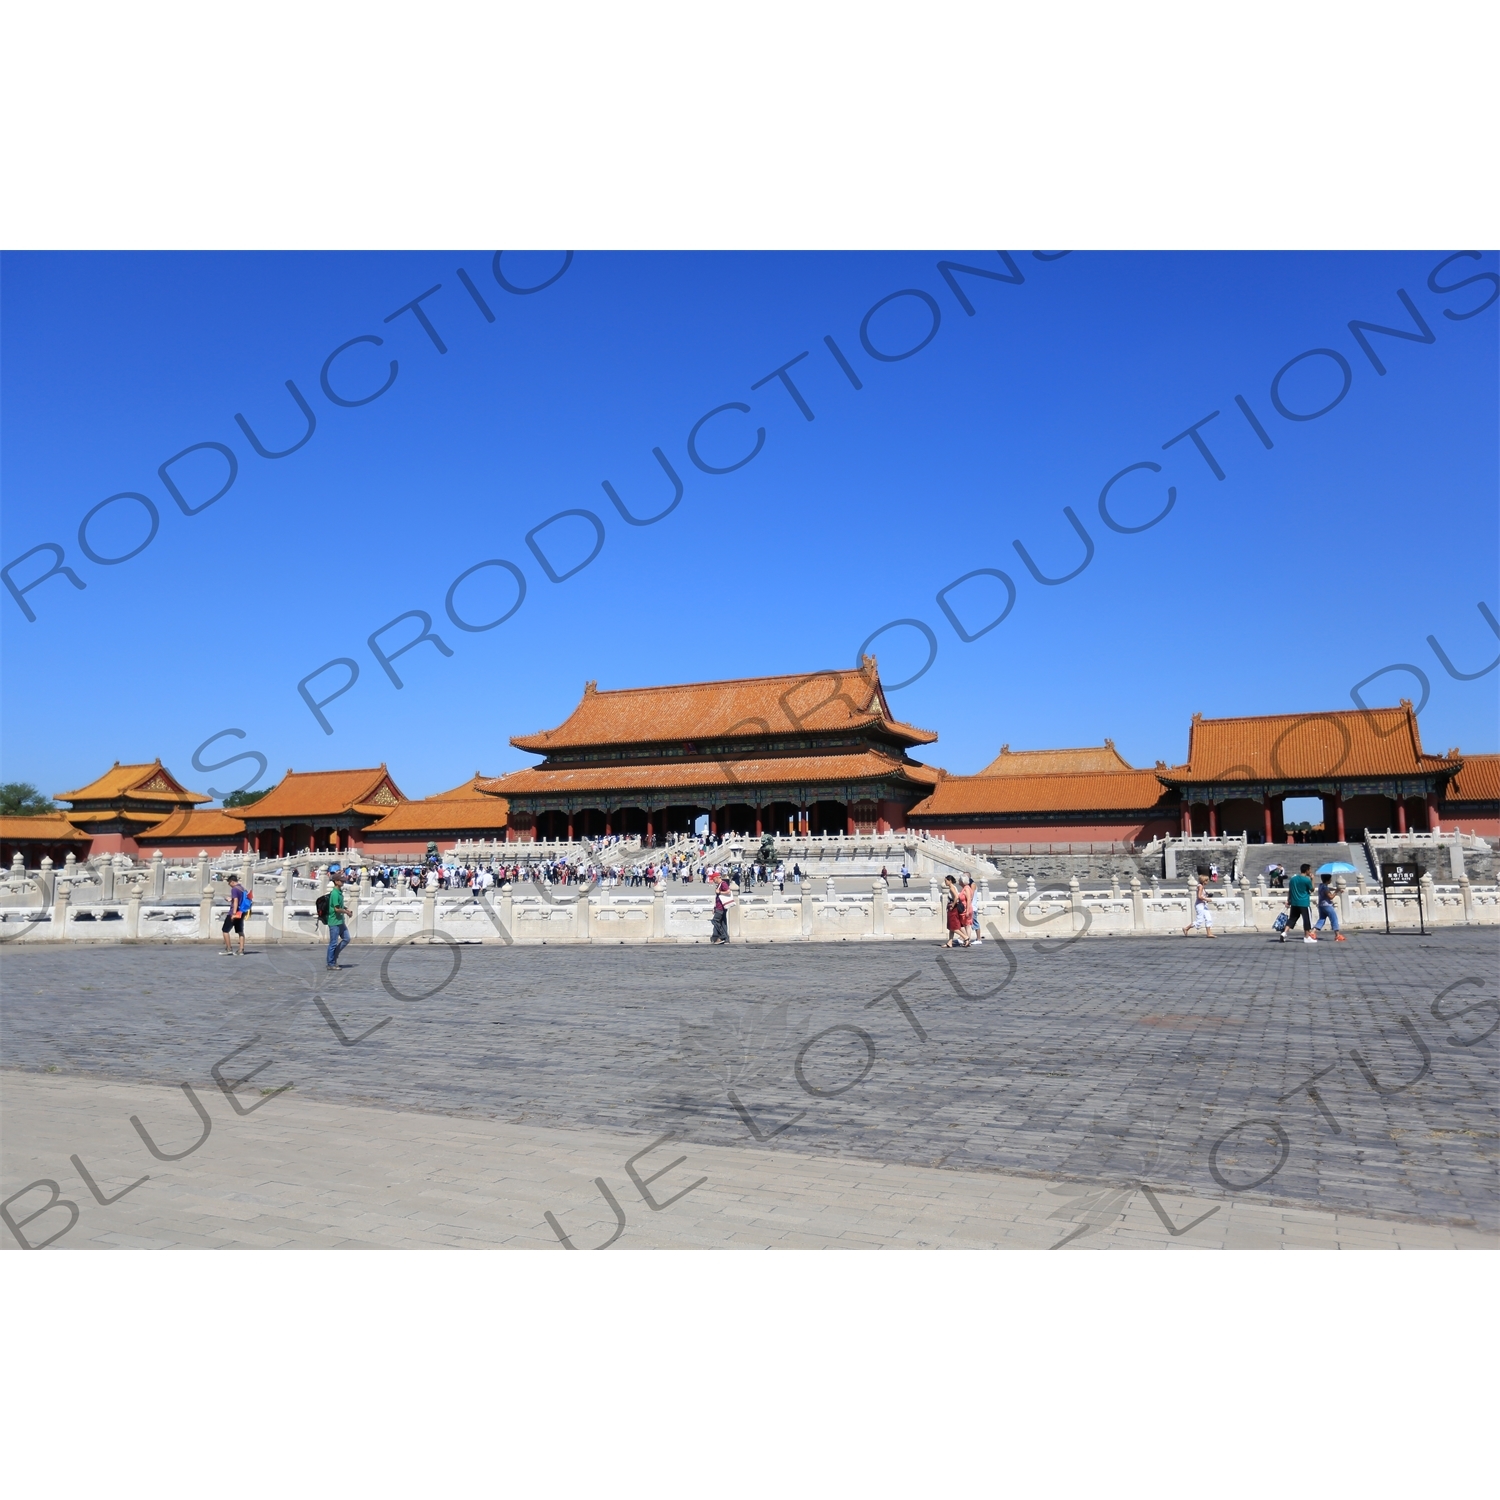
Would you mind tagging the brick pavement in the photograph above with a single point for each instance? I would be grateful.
(1096, 1066)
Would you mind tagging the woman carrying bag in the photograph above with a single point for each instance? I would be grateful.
(957, 918)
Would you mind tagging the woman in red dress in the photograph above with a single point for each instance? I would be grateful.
(958, 921)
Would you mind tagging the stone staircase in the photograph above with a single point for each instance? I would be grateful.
(1291, 857)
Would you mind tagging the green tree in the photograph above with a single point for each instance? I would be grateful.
(22, 797)
(244, 799)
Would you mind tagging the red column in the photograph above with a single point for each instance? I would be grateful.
(570, 828)
(606, 825)
(280, 843)
(1270, 821)
(849, 822)
(713, 820)
(649, 834)
(1400, 814)
(758, 812)
(1187, 820)
(1213, 820)
(1432, 813)
(1338, 817)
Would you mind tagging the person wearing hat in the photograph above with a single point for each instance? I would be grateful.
(338, 932)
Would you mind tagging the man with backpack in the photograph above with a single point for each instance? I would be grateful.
(333, 914)
(239, 909)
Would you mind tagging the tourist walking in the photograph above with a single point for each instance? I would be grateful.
(234, 921)
(971, 908)
(957, 935)
(905, 875)
(1202, 913)
(1328, 910)
(1298, 897)
(338, 932)
(723, 900)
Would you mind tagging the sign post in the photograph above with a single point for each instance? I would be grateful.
(1404, 876)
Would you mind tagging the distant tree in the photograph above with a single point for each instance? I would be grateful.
(21, 797)
(244, 799)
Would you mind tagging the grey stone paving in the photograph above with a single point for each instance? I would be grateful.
(1105, 1061)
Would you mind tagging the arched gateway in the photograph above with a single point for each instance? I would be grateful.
(817, 753)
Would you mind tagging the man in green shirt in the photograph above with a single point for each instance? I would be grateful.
(338, 933)
(1298, 900)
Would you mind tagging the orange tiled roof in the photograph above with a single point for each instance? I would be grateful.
(308, 794)
(747, 706)
(1111, 791)
(1479, 781)
(1041, 762)
(716, 775)
(1348, 743)
(150, 782)
(206, 823)
(446, 813)
(465, 789)
(53, 826)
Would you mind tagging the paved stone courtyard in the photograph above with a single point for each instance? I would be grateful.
(1087, 1093)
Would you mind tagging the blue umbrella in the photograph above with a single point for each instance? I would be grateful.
(1338, 867)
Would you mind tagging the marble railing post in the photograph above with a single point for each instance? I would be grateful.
(203, 878)
(1466, 890)
(107, 880)
(133, 911)
(1075, 900)
(807, 909)
(1343, 901)
(1013, 906)
(582, 927)
(1247, 903)
(877, 906)
(1137, 905)
(429, 911)
(60, 909)
(46, 880)
(158, 876)
(278, 907)
(206, 909)
(1429, 898)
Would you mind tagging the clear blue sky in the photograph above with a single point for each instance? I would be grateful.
(1308, 567)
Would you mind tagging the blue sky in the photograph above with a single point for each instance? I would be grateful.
(1308, 567)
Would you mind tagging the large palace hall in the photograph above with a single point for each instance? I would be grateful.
(816, 753)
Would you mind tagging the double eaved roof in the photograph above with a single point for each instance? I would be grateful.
(148, 781)
(1348, 744)
(711, 773)
(743, 708)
